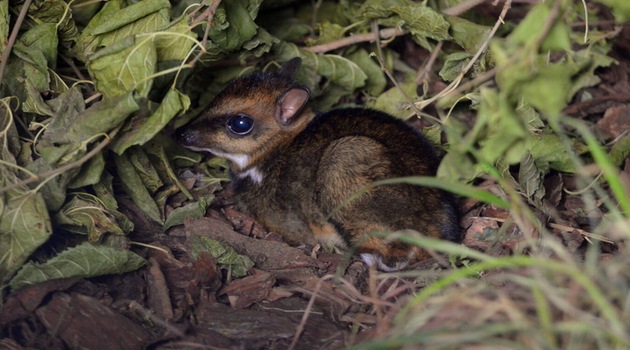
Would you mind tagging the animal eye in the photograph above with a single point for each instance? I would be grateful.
(240, 124)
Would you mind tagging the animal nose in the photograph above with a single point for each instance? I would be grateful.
(187, 136)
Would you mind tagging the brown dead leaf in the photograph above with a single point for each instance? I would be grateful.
(246, 291)
(616, 120)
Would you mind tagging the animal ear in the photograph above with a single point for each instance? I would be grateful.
(290, 105)
(290, 68)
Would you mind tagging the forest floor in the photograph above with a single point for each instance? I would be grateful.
(177, 302)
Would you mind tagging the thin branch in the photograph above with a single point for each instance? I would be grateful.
(427, 67)
(13, 37)
(355, 39)
(462, 7)
(453, 85)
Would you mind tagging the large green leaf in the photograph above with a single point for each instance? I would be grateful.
(338, 69)
(100, 118)
(173, 104)
(85, 260)
(135, 188)
(124, 67)
(24, 220)
(233, 24)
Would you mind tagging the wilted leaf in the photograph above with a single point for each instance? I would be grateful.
(85, 260)
(337, 69)
(551, 149)
(394, 101)
(422, 21)
(175, 42)
(327, 32)
(98, 119)
(530, 179)
(24, 220)
(226, 256)
(145, 169)
(43, 38)
(173, 104)
(133, 186)
(130, 14)
(454, 65)
(470, 36)
(192, 210)
(233, 25)
(499, 131)
(90, 172)
(85, 214)
(124, 67)
(156, 150)
(376, 81)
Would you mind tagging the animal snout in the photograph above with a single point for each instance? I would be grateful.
(187, 136)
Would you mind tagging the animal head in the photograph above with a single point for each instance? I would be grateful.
(251, 116)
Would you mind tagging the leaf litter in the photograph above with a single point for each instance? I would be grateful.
(147, 236)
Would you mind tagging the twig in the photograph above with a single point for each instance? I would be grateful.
(585, 234)
(427, 67)
(462, 7)
(63, 169)
(355, 39)
(309, 307)
(451, 87)
(208, 15)
(13, 37)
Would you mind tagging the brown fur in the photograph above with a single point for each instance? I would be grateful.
(311, 164)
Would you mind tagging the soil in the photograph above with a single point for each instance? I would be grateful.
(327, 300)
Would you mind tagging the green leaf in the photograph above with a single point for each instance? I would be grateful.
(394, 101)
(530, 179)
(454, 64)
(233, 24)
(327, 32)
(88, 41)
(192, 210)
(470, 36)
(85, 214)
(337, 69)
(549, 148)
(156, 150)
(4, 24)
(499, 131)
(173, 104)
(226, 256)
(175, 42)
(376, 81)
(24, 220)
(145, 169)
(529, 28)
(130, 14)
(125, 67)
(132, 184)
(85, 260)
(422, 21)
(98, 119)
(90, 172)
(620, 151)
(620, 9)
(43, 38)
